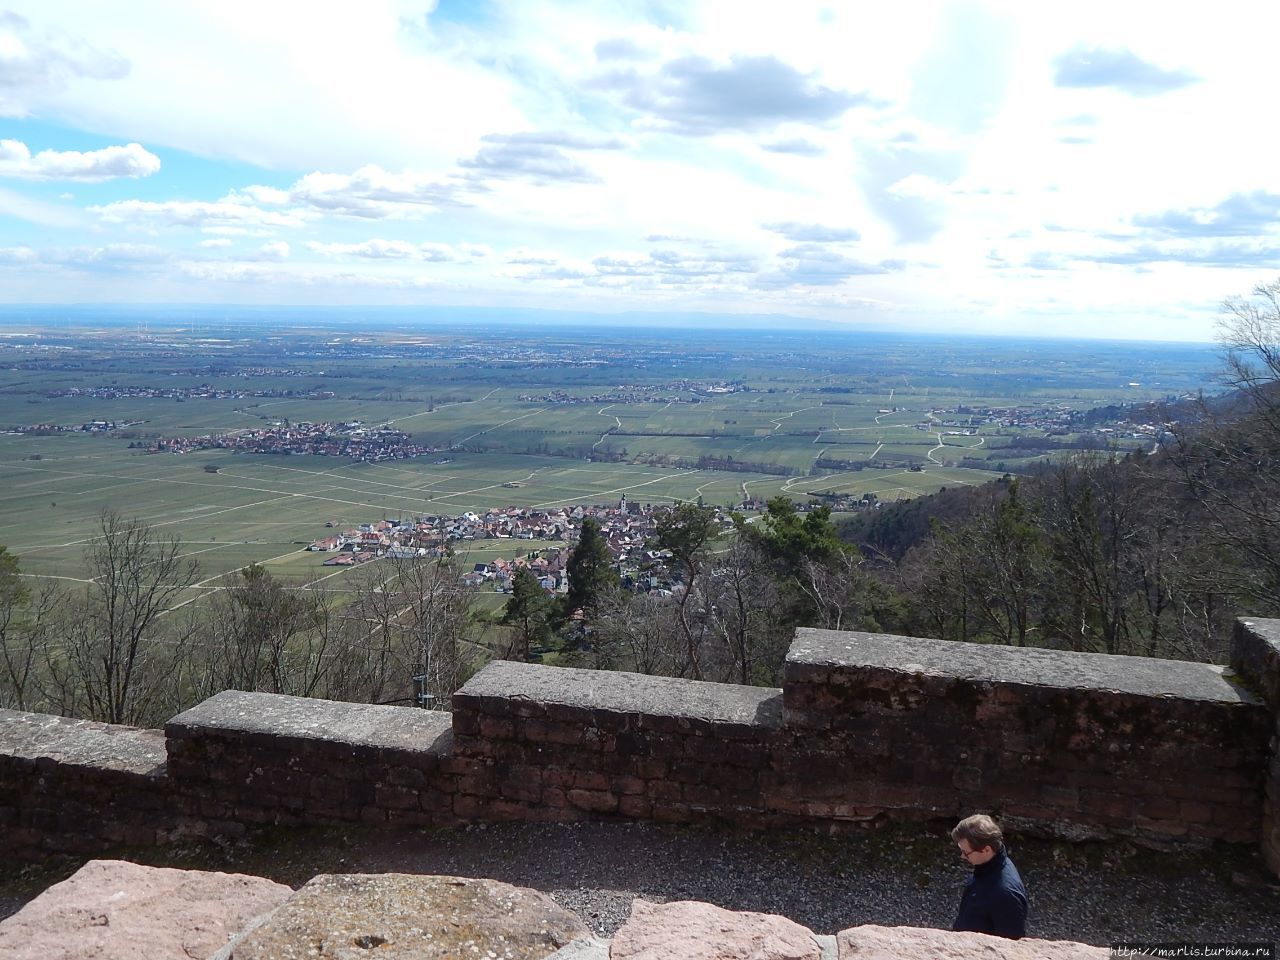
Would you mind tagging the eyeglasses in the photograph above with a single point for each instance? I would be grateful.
(966, 854)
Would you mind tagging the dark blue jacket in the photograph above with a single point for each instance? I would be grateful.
(994, 900)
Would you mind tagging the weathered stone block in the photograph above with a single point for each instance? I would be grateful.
(596, 801)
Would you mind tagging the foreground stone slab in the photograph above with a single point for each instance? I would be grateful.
(115, 910)
(396, 916)
(687, 930)
(871, 942)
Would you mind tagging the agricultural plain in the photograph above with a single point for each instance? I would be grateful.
(519, 417)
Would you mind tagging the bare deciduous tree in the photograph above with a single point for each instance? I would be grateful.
(113, 662)
(409, 620)
(28, 621)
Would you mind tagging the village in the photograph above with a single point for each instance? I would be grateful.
(352, 439)
(203, 391)
(628, 528)
(91, 426)
(1054, 420)
(675, 391)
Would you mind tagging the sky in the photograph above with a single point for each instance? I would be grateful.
(1083, 169)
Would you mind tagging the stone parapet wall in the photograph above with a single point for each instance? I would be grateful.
(1079, 743)
(550, 742)
(74, 786)
(1255, 657)
(867, 727)
(255, 758)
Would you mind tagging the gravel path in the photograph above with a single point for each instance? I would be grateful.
(903, 875)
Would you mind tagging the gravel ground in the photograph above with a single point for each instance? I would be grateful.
(901, 875)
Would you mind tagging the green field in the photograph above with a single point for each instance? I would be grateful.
(268, 508)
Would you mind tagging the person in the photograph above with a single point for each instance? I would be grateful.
(994, 900)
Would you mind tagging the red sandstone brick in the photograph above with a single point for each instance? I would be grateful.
(557, 777)
(666, 747)
(628, 785)
(565, 733)
(1106, 805)
(590, 780)
(1213, 795)
(397, 798)
(327, 809)
(1195, 812)
(599, 741)
(497, 728)
(633, 806)
(1239, 835)
(482, 785)
(597, 801)
(410, 818)
(465, 724)
(372, 814)
(607, 763)
(407, 777)
(470, 808)
(670, 812)
(897, 795)
(554, 797)
(1064, 798)
(783, 803)
(1234, 815)
(611, 722)
(507, 810)
(529, 791)
(520, 771)
(1159, 808)
(1033, 811)
(535, 731)
(696, 794)
(664, 790)
(457, 766)
(705, 749)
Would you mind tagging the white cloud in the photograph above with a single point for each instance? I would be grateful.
(216, 243)
(330, 88)
(94, 166)
(526, 256)
(230, 212)
(17, 255)
(278, 250)
(370, 192)
(36, 63)
(919, 186)
(370, 249)
(108, 256)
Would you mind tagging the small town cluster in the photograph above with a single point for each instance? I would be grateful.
(628, 527)
(355, 440)
(689, 391)
(1054, 420)
(91, 426)
(203, 391)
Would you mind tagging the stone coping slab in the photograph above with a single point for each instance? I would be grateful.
(615, 691)
(815, 654)
(103, 746)
(117, 910)
(1255, 653)
(396, 916)
(271, 715)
